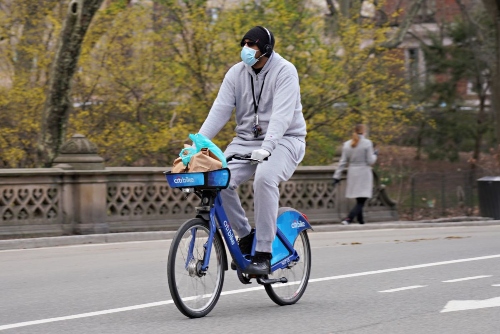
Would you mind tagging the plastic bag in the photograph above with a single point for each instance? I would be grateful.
(186, 154)
(200, 141)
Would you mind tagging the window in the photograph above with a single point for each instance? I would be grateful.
(413, 66)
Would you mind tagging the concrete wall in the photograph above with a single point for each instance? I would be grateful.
(57, 201)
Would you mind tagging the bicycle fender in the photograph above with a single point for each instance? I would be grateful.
(204, 215)
(292, 219)
(290, 222)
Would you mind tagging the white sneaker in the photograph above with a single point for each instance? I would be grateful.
(345, 222)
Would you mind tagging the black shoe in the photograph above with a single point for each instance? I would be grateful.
(361, 222)
(246, 242)
(245, 245)
(261, 264)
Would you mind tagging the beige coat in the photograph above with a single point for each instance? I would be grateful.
(358, 161)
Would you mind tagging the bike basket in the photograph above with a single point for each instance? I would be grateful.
(213, 179)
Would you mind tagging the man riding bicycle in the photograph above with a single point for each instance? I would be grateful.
(264, 89)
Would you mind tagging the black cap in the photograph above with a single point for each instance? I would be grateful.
(260, 36)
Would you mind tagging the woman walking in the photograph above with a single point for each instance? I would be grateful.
(359, 156)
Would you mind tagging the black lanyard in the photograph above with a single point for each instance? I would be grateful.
(256, 103)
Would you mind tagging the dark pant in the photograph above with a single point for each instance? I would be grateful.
(357, 211)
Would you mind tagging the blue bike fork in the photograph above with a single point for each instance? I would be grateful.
(207, 246)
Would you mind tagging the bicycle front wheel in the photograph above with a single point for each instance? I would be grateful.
(297, 274)
(195, 292)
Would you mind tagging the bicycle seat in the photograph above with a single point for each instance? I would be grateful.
(215, 179)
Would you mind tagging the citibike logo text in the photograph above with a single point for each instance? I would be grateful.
(183, 179)
(298, 224)
(229, 232)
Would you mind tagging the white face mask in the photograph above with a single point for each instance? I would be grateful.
(248, 55)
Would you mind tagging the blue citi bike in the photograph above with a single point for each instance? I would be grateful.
(197, 259)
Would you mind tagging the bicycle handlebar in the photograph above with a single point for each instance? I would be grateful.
(246, 157)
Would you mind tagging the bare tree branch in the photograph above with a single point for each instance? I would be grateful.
(403, 28)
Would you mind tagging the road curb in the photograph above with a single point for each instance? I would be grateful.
(163, 235)
(84, 239)
(376, 226)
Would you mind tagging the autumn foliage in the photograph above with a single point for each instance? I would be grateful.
(148, 74)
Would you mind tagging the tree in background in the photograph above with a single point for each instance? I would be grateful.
(362, 81)
(465, 59)
(27, 28)
(35, 101)
(58, 100)
(152, 78)
(154, 75)
(493, 9)
(148, 75)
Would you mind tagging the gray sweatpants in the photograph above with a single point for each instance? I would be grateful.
(279, 167)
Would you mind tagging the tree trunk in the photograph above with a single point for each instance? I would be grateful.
(479, 131)
(493, 7)
(495, 83)
(58, 104)
(345, 5)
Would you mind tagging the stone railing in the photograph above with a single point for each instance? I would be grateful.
(63, 201)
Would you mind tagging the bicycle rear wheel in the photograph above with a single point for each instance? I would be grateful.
(297, 274)
(194, 292)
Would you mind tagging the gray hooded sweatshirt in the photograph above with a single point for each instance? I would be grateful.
(279, 107)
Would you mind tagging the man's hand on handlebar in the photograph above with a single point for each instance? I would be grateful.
(259, 155)
(247, 157)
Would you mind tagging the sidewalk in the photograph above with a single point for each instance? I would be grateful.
(163, 235)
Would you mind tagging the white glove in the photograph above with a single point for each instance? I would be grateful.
(260, 154)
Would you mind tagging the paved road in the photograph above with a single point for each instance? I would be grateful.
(420, 280)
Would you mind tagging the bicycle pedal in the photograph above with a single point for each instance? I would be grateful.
(265, 281)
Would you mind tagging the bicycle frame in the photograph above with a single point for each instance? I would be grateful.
(289, 224)
(218, 219)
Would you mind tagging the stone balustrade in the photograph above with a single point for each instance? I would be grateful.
(93, 199)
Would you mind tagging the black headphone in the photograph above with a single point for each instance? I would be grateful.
(268, 48)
